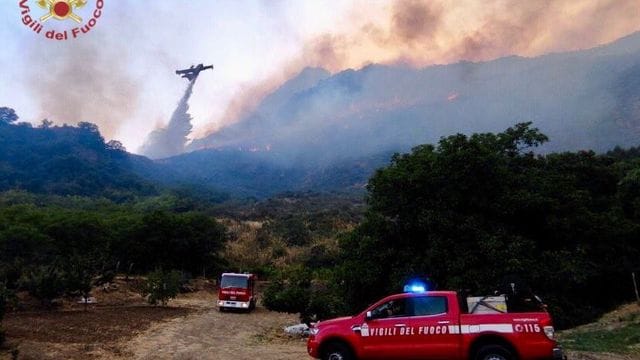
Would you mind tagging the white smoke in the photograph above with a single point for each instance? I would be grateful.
(171, 140)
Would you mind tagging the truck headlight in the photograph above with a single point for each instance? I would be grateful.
(549, 331)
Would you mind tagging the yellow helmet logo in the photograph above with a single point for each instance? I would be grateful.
(61, 9)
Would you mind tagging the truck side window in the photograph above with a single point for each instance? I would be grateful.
(429, 305)
(390, 309)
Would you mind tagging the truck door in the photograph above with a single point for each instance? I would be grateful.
(433, 328)
(381, 335)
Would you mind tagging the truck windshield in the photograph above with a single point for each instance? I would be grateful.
(234, 282)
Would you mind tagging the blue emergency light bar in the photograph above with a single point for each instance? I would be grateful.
(415, 287)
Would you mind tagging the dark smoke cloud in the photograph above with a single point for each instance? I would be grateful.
(327, 51)
(82, 81)
(419, 33)
(415, 21)
(394, 107)
(171, 140)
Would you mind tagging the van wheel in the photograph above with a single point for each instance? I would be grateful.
(494, 352)
(337, 351)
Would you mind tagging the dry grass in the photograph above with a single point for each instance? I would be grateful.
(615, 336)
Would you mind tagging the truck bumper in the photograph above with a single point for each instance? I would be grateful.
(234, 304)
(312, 348)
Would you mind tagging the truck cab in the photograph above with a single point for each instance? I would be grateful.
(237, 291)
(431, 325)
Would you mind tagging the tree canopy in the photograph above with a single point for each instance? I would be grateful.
(7, 115)
(476, 211)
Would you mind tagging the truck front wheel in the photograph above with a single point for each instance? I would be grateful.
(494, 352)
(337, 351)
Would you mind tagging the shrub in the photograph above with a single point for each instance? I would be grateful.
(304, 293)
(44, 283)
(324, 303)
(291, 295)
(283, 297)
(4, 296)
(78, 277)
(161, 286)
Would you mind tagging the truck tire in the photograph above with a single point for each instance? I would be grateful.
(337, 351)
(494, 352)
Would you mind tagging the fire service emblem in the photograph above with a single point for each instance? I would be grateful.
(75, 10)
(61, 10)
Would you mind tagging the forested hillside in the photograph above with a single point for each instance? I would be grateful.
(472, 213)
(583, 100)
(65, 160)
(255, 174)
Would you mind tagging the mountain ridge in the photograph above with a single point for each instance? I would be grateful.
(398, 107)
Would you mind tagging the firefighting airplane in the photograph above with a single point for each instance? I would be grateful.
(193, 72)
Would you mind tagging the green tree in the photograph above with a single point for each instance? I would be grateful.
(4, 298)
(7, 116)
(78, 275)
(476, 210)
(161, 286)
(629, 193)
(289, 292)
(297, 290)
(45, 283)
(5, 294)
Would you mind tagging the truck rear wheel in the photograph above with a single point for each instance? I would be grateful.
(494, 352)
(337, 351)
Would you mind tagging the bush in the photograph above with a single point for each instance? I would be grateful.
(304, 293)
(78, 277)
(283, 297)
(161, 286)
(44, 283)
(290, 296)
(324, 303)
(4, 296)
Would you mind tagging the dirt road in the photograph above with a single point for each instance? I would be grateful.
(191, 328)
(210, 334)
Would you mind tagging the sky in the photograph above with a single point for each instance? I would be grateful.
(120, 75)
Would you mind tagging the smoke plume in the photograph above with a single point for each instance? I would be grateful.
(420, 33)
(82, 81)
(171, 140)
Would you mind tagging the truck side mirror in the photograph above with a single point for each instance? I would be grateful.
(369, 316)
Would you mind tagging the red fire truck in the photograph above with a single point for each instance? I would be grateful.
(237, 291)
(431, 325)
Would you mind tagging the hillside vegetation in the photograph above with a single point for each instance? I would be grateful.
(472, 213)
(616, 332)
(480, 212)
(66, 160)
